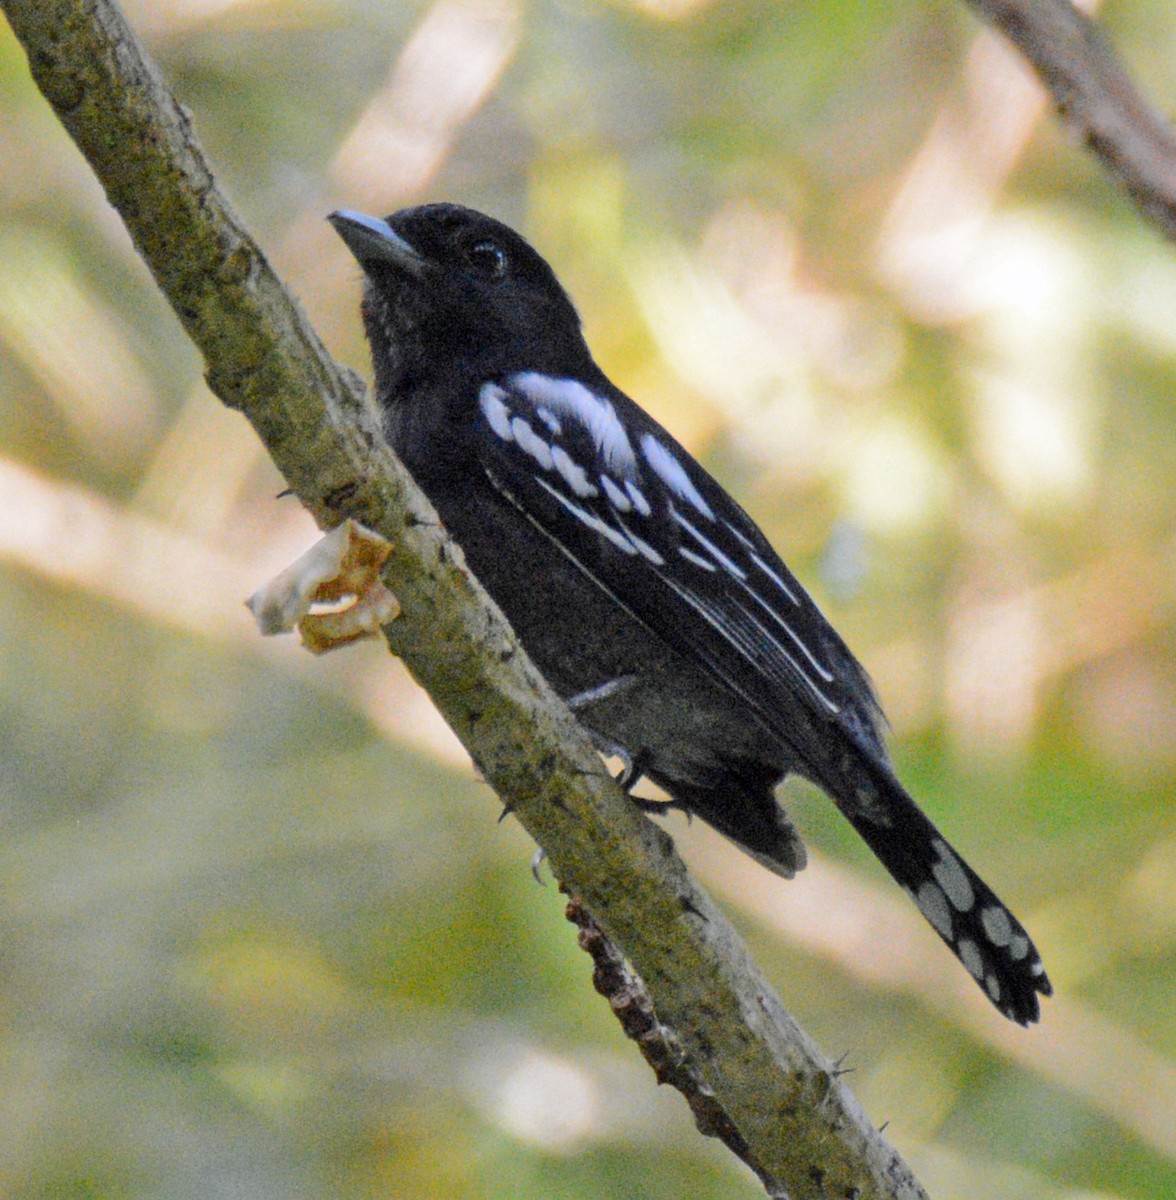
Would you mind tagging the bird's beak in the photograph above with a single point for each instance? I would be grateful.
(375, 242)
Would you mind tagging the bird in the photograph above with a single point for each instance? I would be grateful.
(647, 597)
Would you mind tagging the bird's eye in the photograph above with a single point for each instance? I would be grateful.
(488, 259)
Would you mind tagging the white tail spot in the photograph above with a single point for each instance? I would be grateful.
(971, 957)
(933, 905)
(951, 877)
(997, 925)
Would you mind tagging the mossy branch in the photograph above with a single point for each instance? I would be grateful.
(1094, 97)
(741, 1060)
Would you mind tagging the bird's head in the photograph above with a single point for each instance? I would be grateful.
(448, 285)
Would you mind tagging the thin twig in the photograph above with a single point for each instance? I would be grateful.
(1095, 98)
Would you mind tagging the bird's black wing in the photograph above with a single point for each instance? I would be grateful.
(642, 519)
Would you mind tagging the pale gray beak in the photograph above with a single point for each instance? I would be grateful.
(375, 242)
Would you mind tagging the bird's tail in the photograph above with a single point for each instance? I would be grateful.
(978, 928)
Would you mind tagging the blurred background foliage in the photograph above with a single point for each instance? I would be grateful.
(260, 933)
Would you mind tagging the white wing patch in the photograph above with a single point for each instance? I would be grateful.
(726, 563)
(643, 547)
(763, 565)
(556, 400)
(638, 497)
(821, 670)
(594, 414)
(697, 559)
(750, 638)
(670, 471)
(618, 499)
(535, 412)
(550, 420)
(615, 536)
(775, 578)
(567, 398)
(531, 442)
(573, 474)
(491, 400)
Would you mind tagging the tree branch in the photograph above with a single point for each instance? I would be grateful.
(743, 1062)
(1095, 97)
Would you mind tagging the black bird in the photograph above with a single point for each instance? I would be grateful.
(647, 597)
